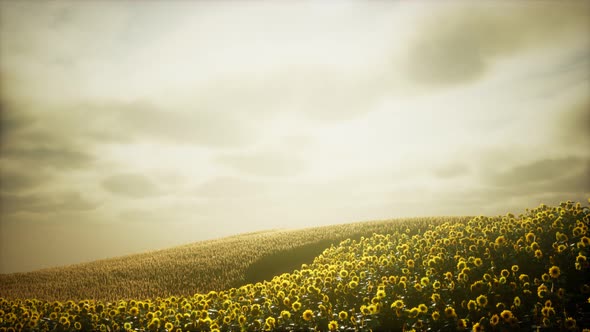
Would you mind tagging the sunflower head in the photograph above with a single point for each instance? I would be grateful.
(307, 315)
(506, 315)
(333, 325)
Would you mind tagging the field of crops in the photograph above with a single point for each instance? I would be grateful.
(523, 272)
(199, 267)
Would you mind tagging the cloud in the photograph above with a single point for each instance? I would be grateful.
(29, 139)
(12, 118)
(45, 156)
(43, 203)
(573, 124)
(452, 171)
(537, 171)
(14, 181)
(231, 187)
(142, 120)
(188, 126)
(567, 177)
(458, 43)
(130, 185)
(264, 164)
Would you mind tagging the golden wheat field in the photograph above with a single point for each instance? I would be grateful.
(513, 272)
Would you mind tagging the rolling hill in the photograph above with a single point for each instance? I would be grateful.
(198, 267)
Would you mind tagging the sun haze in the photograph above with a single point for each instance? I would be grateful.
(128, 127)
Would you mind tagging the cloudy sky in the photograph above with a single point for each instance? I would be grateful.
(127, 128)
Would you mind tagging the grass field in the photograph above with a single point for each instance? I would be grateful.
(512, 272)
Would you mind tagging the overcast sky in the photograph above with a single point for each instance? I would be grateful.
(128, 127)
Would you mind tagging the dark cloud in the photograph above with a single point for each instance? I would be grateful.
(567, 177)
(458, 43)
(575, 180)
(31, 141)
(130, 185)
(264, 164)
(44, 203)
(11, 120)
(539, 171)
(58, 157)
(15, 181)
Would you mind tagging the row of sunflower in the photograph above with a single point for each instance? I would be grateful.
(525, 272)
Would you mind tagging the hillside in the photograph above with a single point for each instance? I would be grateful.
(199, 267)
(511, 272)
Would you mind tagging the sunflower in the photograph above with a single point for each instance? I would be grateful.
(450, 312)
(307, 315)
(570, 323)
(255, 310)
(414, 312)
(554, 272)
(517, 301)
(242, 319)
(397, 304)
(154, 323)
(436, 285)
(435, 297)
(505, 273)
(343, 315)
(477, 262)
(530, 237)
(461, 324)
(471, 305)
(270, 321)
(169, 326)
(296, 306)
(477, 327)
(547, 311)
(134, 311)
(435, 316)
(506, 315)
(494, 320)
(482, 300)
(333, 325)
(423, 308)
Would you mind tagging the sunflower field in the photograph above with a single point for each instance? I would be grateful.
(528, 272)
